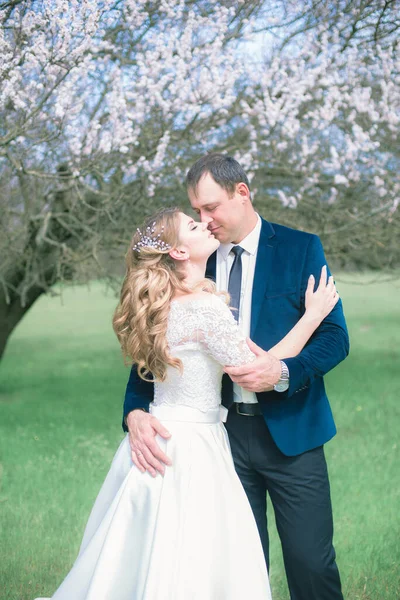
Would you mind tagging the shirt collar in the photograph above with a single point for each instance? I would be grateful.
(249, 243)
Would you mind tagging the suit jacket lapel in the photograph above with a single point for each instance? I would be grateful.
(265, 253)
(211, 269)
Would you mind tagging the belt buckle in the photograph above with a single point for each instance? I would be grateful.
(242, 413)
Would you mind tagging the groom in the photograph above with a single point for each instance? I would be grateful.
(279, 415)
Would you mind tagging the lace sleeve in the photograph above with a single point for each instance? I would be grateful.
(221, 336)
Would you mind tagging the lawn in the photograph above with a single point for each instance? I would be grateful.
(61, 390)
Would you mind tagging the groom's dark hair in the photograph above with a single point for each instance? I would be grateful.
(224, 169)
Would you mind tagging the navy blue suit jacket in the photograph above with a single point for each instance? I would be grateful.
(301, 418)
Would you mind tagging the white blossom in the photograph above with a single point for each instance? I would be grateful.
(321, 111)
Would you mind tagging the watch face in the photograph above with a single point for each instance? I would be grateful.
(281, 386)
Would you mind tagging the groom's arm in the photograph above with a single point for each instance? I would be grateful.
(138, 394)
(329, 345)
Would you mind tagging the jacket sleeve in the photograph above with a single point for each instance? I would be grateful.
(138, 394)
(329, 345)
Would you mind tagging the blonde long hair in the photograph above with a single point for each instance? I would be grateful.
(152, 278)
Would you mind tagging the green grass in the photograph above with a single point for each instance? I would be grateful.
(61, 389)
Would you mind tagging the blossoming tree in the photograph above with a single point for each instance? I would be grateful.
(104, 105)
(95, 98)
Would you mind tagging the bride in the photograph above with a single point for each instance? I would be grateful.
(190, 533)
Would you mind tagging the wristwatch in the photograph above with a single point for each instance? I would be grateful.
(283, 383)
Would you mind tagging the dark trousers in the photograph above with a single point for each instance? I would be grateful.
(299, 490)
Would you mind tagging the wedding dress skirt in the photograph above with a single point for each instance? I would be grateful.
(188, 535)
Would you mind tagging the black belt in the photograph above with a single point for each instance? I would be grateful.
(248, 410)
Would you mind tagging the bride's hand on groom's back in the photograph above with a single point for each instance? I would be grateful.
(146, 453)
(321, 301)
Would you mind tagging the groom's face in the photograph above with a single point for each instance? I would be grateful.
(224, 213)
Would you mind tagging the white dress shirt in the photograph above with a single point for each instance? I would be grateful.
(224, 263)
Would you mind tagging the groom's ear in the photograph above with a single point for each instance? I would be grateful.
(179, 253)
(243, 191)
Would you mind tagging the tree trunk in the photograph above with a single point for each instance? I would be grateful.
(11, 313)
(37, 268)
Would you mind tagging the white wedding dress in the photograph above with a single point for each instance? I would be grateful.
(190, 534)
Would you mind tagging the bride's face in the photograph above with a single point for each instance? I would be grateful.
(196, 242)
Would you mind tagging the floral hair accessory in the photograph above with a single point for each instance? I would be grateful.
(148, 239)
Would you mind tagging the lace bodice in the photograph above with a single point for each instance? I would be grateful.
(204, 335)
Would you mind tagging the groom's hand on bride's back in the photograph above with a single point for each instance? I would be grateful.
(146, 453)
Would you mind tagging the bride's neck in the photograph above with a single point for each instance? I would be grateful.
(194, 273)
